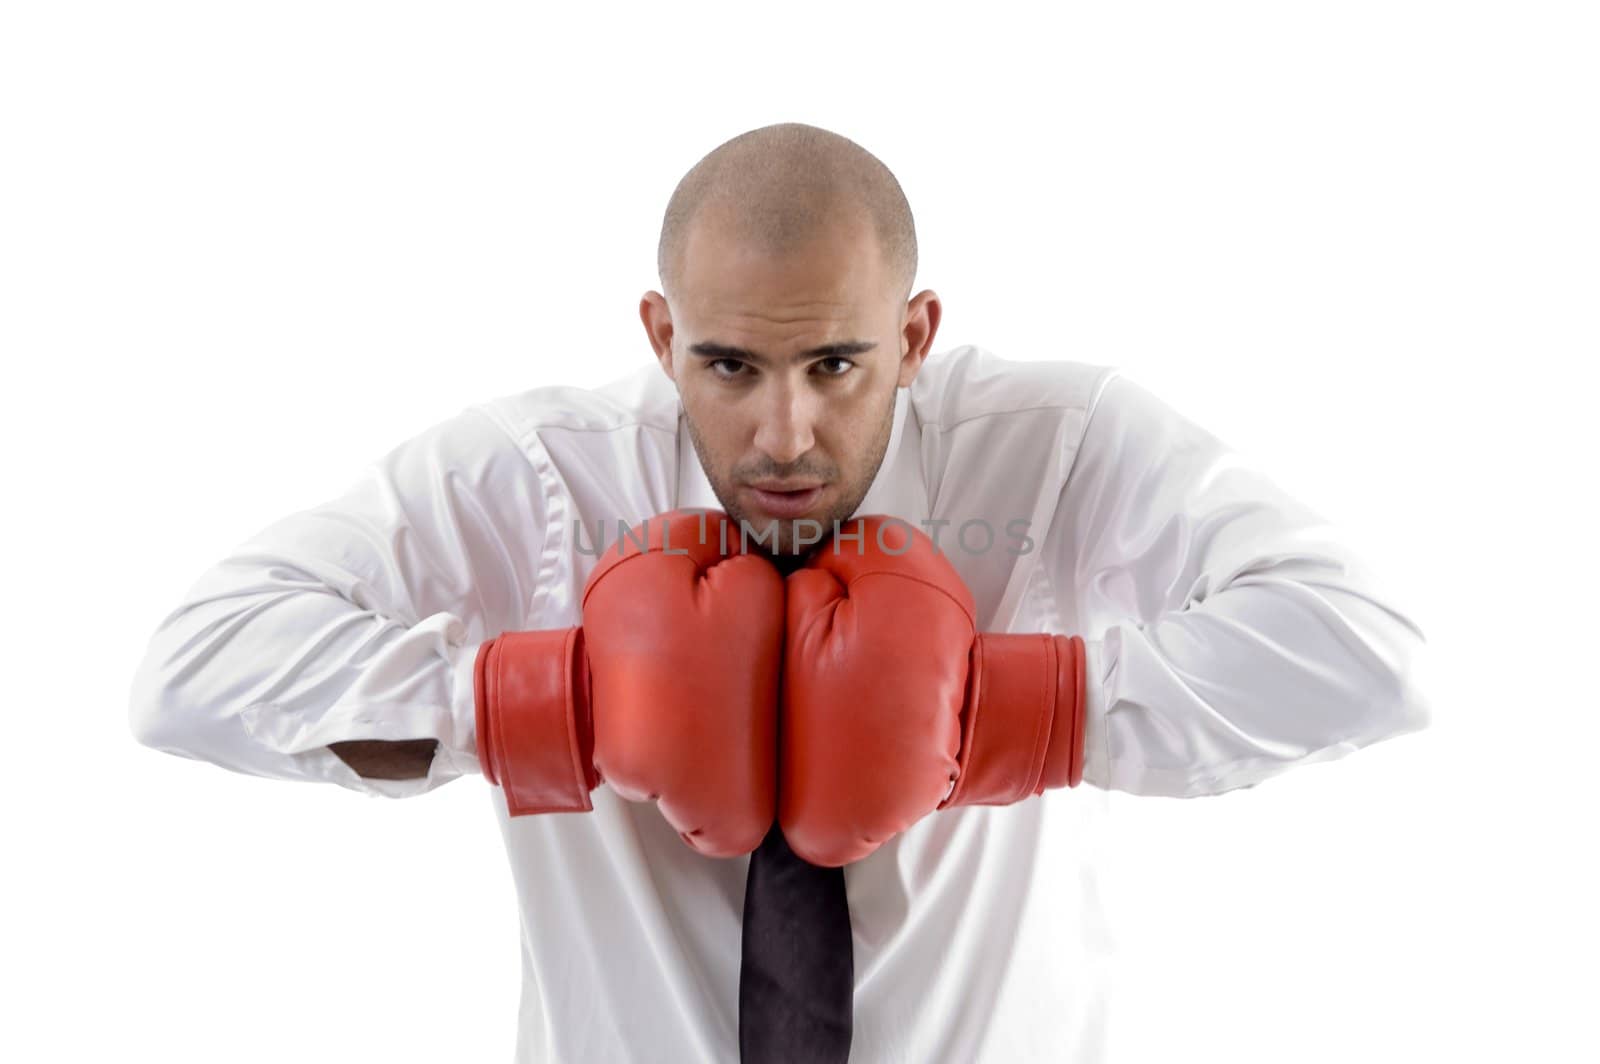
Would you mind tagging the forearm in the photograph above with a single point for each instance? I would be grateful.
(381, 760)
(268, 664)
(1273, 672)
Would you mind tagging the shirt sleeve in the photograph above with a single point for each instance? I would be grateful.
(1230, 632)
(358, 619)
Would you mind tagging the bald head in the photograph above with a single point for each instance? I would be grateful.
(779, 188)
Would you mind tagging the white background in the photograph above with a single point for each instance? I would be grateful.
(247, 248)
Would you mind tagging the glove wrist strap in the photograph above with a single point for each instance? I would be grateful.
(1023, 723)
(535, 740)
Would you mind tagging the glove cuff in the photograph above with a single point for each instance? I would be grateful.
(535, 739)
(1022, 729)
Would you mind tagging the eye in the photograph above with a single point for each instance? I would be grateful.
(845, 362)
(728, 375)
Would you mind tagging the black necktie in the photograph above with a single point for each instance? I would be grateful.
(797, 968)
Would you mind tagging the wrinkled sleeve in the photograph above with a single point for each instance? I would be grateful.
(358, 619)
(1230, 632)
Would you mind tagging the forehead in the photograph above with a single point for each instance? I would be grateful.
(834, 275)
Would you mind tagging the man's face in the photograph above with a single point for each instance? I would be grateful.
(787, 369)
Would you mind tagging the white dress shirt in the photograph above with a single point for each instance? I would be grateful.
(1230, 635)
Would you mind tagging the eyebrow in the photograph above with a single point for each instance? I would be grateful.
(711, 349)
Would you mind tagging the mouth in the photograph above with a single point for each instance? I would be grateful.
(778, 500)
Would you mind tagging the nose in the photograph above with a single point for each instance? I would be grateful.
(787, 417)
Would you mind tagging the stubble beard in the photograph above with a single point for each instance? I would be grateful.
(779, 543)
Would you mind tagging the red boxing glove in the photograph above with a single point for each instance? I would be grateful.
(668, 691)
(890, 695)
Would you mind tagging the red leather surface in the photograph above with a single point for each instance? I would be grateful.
(674, 675)
(876, 671)
(894, 706)
(533, 721)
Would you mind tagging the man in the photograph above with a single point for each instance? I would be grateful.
(1197, 631)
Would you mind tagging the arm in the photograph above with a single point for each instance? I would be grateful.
(1230, 632)
(337, 645)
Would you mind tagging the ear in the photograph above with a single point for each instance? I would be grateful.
(921, 324)
(657, 319)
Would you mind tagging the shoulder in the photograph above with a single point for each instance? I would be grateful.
(640, 401)
(971, 384)
(609, 451)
